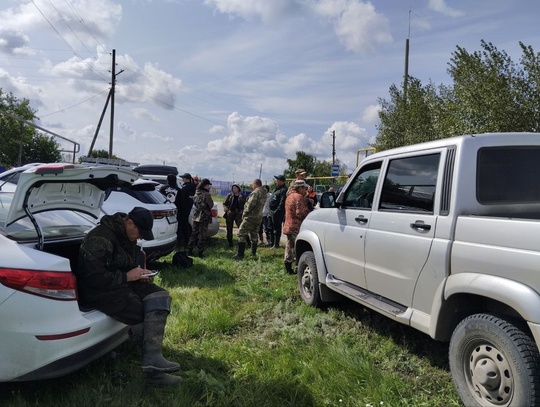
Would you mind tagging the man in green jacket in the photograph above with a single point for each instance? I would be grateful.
(110, 279)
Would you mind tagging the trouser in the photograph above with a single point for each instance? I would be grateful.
(290, 254)
(275, 223)
(232, 218)
(198, 236)
(249, 230)
(184, 229)
(133, 312)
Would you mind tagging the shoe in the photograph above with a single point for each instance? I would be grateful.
(241, 250)
(288, 267)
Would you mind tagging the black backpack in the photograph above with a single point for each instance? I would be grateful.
(182, 260)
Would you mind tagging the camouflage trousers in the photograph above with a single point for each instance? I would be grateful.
(290, 253)
(249, 229)
(198, 236)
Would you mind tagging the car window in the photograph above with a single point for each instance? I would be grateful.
(144, 195)
(362, 189)
(497, 182)
(55, 225)
(410, 184)
(13, 177)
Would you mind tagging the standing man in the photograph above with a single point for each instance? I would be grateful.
(202, 217)
(301, 175)
(184, 203)
(171, 191)
(296, 210)
(251, 220)
(109, 279)
(276, 213)
(234, 206)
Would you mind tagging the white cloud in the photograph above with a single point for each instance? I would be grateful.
(370, 115)
(144, 114)
(441, 7)
(267, 10)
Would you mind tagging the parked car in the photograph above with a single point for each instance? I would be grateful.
(124, 199)
(143, 193)
(441, 236)
(45, 334)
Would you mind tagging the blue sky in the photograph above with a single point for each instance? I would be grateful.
(223, 88)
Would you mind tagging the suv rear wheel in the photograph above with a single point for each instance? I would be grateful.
(494, 363)
(308, 280)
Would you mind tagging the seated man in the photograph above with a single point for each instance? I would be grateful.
(109, 279)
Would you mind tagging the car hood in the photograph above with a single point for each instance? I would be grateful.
(66, 186)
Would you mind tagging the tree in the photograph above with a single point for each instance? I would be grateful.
(303, 160)
(490, 93)
(21, 143)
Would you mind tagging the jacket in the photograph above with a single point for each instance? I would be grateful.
(296, 210)
(203, 203)
(184, 199)
(254, 206)
(229, 200)
(105, 256)
(277, 200)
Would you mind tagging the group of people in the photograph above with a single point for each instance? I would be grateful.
(112, 279)
(271, 214)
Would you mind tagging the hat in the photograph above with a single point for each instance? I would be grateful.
(186, 175)
(280, 177)
(299, 184)
(205, 181)
(144, 221)
(235, 185)
(300, 171)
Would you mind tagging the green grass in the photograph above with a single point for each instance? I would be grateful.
(245, 339)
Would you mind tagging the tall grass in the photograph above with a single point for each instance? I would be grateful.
(245, 339)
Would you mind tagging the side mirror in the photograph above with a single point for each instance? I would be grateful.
(328, 200)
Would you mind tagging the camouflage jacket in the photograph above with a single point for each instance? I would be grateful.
(203, 203)
(105, 256)
(253, 208)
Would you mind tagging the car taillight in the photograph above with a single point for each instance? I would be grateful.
(214, 212)
(50, 284)
(163, 214)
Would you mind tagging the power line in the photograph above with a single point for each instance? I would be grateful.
(75, 105)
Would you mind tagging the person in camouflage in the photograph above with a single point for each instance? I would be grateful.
(251, 220)
(202, 217)
(110, 279)
(296, 210)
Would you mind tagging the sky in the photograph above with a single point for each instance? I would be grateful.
(231, 89)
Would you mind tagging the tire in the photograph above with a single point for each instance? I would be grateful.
(494, 363)
(308, 280)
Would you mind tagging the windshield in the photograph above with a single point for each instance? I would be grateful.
(55, 225)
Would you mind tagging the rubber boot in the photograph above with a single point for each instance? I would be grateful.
(136, 335)
(241, 250)
(156, 309)
(248, 242)
(161, 379)
(230, 241)
(270, 239)
(254, 249)
(277, 238)
(288, 267)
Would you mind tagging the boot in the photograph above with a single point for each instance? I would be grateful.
(190, 251)
(248, 242)
(161, 379)
(288, 267)
(277, 238)
(136, 335)
(241, 250)
(270, 240)
(254, 249)
(229, 240)
(154, 328)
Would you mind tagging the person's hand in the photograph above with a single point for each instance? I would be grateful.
(137, 274)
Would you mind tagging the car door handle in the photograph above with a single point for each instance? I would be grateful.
(361, 219)
(420, 225)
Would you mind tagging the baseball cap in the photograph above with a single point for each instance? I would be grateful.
(280, 177)
(144, 221)
(186, 175)
(206, 181)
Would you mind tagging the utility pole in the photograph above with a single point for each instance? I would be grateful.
(113, 82)
(333, 146)
(406, 74)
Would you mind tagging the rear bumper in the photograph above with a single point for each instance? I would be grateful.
(76, 361)
(155, 252)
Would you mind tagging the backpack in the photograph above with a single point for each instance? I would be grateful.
(182, 260)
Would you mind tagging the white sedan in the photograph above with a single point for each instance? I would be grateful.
(44, 331)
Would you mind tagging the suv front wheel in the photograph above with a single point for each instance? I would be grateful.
(494, 363)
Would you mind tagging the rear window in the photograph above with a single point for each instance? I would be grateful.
(509, 174)
(147, 194)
